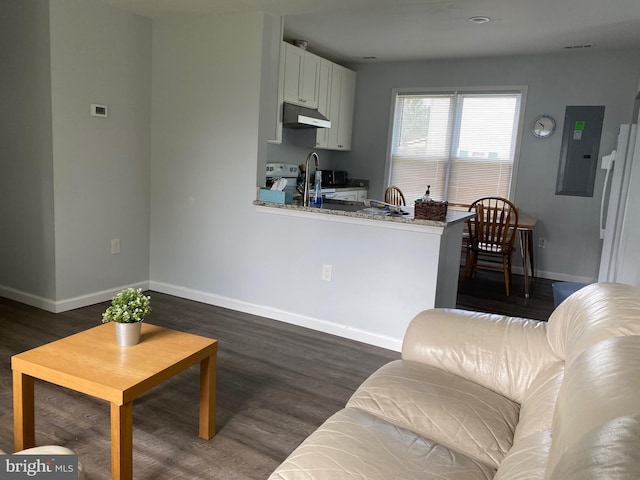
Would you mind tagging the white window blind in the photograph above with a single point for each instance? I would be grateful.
(462, 144)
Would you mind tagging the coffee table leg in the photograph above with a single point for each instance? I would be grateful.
(24, 429)
(122, 441)
(208, 397)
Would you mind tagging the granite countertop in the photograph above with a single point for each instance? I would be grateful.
(353, 209)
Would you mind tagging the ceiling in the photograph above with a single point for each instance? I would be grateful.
(395, 30)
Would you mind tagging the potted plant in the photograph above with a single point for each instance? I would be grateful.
(127, 311)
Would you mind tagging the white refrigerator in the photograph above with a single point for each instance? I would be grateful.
(620, 211)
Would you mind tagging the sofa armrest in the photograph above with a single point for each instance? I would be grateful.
(46, 450)
(499, 352)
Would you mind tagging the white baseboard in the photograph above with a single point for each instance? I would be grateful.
(561, 277)
(59, 306)
(324, 326)
(28, 298)
(567, 278)
(340, 330)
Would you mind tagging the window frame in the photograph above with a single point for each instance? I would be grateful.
(504, 89)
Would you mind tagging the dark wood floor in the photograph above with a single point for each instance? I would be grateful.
(485, 293)
(276, 384)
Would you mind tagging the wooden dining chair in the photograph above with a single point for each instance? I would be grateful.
(394, 196)
(492, 233)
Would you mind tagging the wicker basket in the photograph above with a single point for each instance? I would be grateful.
(431, 211)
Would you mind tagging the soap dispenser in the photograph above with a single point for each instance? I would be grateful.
(426, 197)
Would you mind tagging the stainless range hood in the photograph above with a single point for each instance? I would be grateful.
(295, 116)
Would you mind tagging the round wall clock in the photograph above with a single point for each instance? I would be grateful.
(543, 126)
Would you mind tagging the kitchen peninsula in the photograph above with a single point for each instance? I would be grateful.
(378, 270)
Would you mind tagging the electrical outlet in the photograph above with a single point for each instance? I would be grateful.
(542, 242)
(115, 246)
(327, 270)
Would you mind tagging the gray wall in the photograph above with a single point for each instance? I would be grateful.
(296, 146)
(26, 155)
(206, 94)
(100, 54)
(569, 224)
(72, 182)
(198, 146)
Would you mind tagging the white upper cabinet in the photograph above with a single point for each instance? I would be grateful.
(322, 134)
(314, 82)
(342, 89)
(342, 111)
(301, 76)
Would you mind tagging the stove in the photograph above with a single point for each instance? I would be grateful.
(283, 170)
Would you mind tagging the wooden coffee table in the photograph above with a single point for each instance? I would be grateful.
(90, 362)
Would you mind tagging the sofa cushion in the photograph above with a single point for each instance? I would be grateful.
(441, 406)
(601, 385)
(610, 452)
(594, 313)
(353, 444)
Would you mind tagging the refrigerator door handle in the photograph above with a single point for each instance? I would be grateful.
(607, 163)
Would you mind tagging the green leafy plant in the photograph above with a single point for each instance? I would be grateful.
(128, 306)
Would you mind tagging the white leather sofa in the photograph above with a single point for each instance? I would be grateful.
(480, 396)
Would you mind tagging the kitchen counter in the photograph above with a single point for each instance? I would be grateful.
(390, 266)
(348, 187)
(353, 210)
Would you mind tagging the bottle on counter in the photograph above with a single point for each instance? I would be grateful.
(316, 199)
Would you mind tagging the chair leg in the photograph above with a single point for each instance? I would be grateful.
(507, 274)
(474, 264)
(467, 266)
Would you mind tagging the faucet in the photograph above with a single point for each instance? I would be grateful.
(305, 194)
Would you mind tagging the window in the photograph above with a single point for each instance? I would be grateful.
(463, 144)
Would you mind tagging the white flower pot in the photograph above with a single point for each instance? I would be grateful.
(127, 334)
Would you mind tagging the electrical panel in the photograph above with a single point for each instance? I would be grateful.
(580, 149)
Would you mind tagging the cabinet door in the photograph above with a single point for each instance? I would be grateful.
(310, 80)
(322, 134)
(346, 195)
(293, 67)
(301, 77)
(343, 84)
(334, 106)
(345, 118)
(362, 195)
